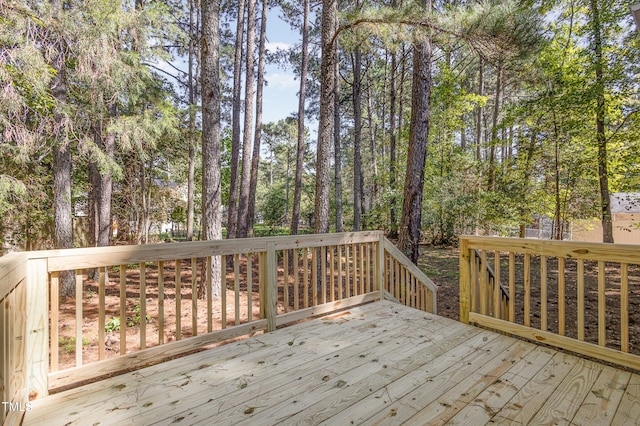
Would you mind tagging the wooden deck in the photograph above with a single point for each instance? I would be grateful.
(382, 363)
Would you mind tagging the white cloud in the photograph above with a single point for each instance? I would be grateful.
(273, 46)
(282, 81)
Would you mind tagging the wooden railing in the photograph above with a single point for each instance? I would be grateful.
(486, 280)
(135, 305)
(571, 295)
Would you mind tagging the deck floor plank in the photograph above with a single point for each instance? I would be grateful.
(428, 393)
(629, 410)
(604, 398)
(493, 398)
(168, 380)
(532, 397)
(296, 377)
(569, 395)
(381, 363)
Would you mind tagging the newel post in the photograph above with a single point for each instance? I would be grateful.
(271, 291)
(36, 351)
(465, 280)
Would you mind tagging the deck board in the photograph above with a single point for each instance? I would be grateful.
(381, 363)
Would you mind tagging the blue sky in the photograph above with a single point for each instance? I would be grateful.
(281, 92)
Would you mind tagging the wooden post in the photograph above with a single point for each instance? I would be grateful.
(465, 276)
(379, 266)
(36, 330)
(271, 292)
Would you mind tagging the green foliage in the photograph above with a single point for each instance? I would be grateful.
(69, 343)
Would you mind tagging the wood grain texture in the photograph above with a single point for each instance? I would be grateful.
(379, 363)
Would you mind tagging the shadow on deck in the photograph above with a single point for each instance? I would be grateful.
(380, 363)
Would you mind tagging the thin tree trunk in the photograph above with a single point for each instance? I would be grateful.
(62, 209)
(191, 179)
(255, 158)
(494, 129)
(297, 192)
(337, 150)
(243, 201)
(325, 129)
(603, 174)
(480, 110)
(357, 138)
(232, 214)
(417, 151)
(211, 202)
(392, 147)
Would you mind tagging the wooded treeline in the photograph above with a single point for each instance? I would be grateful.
(435, 118)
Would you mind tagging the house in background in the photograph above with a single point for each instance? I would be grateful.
(625, 212)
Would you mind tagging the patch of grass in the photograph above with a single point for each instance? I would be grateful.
(69, 343)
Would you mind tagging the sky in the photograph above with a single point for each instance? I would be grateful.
(281, 91)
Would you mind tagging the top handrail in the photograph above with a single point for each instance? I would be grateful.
(628, 253)
(95, 257)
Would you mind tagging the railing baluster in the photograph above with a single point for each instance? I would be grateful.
(340, 285)
(323, 269)
(602, 321)
(484, 295)
(580, 297)
(496, 278)
(527, 289)
(208, 279)
(624, 307)
(332, 282)
(305, 253)
(79, 282)
(236, 286)
(512, 286)
(296, 279)
(347, 271)
(285, 276)
(543, 293)
(160, 302)
(314, 277)
(143, 306)
(223, 293)
(102, 277)
(178, 299)
(194, 296)
(354, 255)
(362, 276)
(55, 320)
(249, 287)
(123, 310)
(561, 296)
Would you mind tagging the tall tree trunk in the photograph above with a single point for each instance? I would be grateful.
(211, 201)
(417, 151)
(357, 139)
(392, 146)
(232, 213)
(297, 192)
(337, 150)
(372, 145)
(255, 158)
(603, 174)
(494, 130)
(62, 210)
(243, 201)
(191, 177)
(480, 110)
(325, 129)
